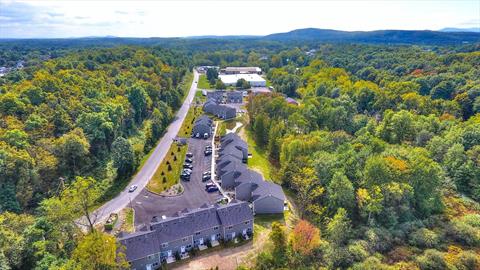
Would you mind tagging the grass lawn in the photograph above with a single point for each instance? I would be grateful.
(224, 125)
(168, 173)
(199, 97)
(259, 160)
(203, 83)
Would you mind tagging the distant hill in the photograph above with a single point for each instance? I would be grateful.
(453, 29)
(379, 36)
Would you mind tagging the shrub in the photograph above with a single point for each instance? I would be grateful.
(358, 250)
(431, 260)
(174, 158)
(424, 238)
(466, 230)
(164, 180)
(467, 260)
(169, 167)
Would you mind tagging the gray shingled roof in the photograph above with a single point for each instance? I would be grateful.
(234, 213)
(265, 189)
(140, 244)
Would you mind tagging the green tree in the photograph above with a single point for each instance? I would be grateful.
(242, 84)
(138, 97)
(339, 229)
(220, 85)
(340, 193)
(123, 156)
(72, 150)
(212, 75)
(260, 129)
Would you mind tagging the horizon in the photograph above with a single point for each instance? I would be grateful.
(143, 19)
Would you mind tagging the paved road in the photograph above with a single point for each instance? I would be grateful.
(143, 176)
(147, 205)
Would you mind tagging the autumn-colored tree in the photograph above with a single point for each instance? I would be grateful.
(305, 238)
(98, 250)
(308, 188)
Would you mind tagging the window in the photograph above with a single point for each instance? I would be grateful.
(185, 239)
(197, 233)
(246, 222)
(215, 228)
(229, 227)
(164, 245)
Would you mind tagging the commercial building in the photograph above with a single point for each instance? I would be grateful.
(241, 70)
(255, 80)
(173, 237)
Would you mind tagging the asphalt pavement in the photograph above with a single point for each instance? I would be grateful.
(146, 172)
(147, 204)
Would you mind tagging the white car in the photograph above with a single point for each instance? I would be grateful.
(132, 188)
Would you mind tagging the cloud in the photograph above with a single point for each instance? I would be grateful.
(121, 12)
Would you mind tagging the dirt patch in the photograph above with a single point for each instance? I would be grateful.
(229, 258)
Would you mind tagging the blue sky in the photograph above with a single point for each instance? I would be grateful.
(48, 19)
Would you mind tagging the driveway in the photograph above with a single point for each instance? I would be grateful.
(147, 204)
(146, 172)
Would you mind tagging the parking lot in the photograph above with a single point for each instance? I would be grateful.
(147, 204)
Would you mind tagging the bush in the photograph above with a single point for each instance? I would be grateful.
(467, 260)
(358, 250)
(164, 180)
(424, 238)
(431, 260)
(174, 158)
(169, 167)
(466, 230)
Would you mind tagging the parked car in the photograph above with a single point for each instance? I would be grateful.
(132, 188)
(205, 178)
(185, 177)
(188, 160)
(207, 172)
(207, 152)
(187, 171)
(197, 135)
(205, 136)
(209, 185)
(212, 189)
(188, 166)
(189, 155)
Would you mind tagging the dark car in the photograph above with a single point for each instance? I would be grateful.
(208, 147)
(212, 189)
(189, 155)
(187, 171)
(205, 178)
(188, 160)
(185, 177)
(208, 152)
(207, 173)
(188, 166)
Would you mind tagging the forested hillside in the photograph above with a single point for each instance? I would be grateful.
(382, 156)
(60, 119)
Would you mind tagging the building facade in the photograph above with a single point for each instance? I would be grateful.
(175, 236)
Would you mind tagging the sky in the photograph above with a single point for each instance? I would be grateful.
(63, 19)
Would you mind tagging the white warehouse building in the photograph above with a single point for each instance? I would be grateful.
(255, 80)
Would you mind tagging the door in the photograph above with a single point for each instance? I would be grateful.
(169, 253)
(244, 232)
(200, 241)
(149, 266)
(182, 249)
(233, 235)
(213, 237)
